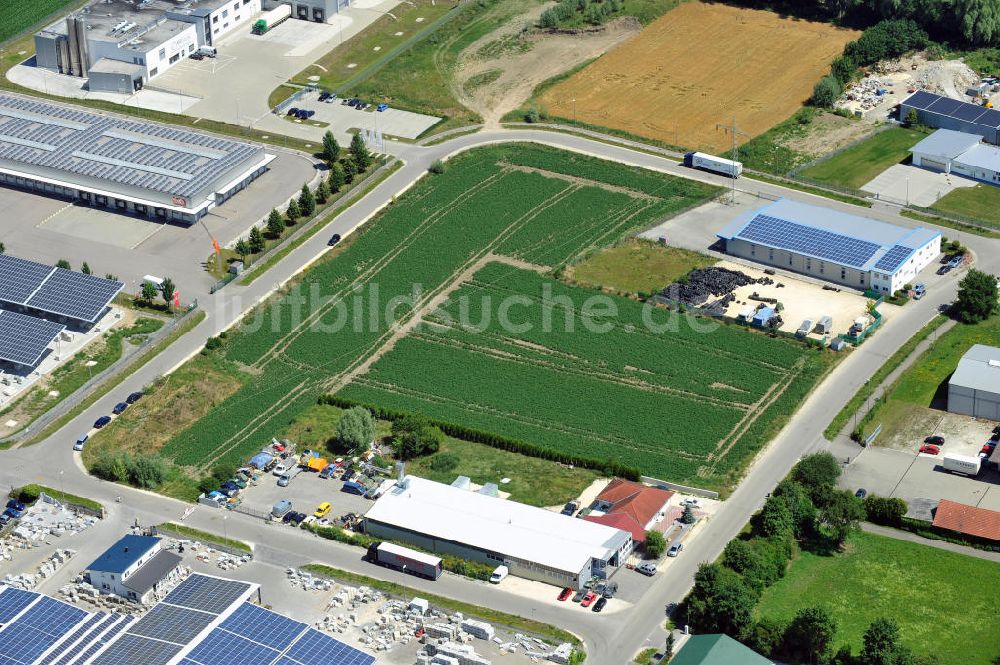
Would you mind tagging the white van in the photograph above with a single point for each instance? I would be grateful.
(499, 575)
(208, 51)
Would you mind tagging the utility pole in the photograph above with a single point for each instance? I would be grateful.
(735, 133)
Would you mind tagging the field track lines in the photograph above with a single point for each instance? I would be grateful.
(580, 181)
(371, 270)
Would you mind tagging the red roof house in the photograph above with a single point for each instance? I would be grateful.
(630, 506)
(970, 520)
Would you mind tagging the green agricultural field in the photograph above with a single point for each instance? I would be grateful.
(981, 203)
(938, 598)
(683, 404)
(16, 16)
(636, 266)
(857, 165)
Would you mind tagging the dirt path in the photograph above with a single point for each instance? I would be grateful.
(527, 60)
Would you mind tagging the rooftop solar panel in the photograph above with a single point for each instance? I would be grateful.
(263, 626)
(24, 339)
(991, 118)
(208, 594)
(968, 112)
(315, 648)
(894, 258)
(172, 624)
(944, 106)
(223, 648)
(782, 234)
(41, 626)
(921, 99)
(12, 601)
(133, 650)
(19, 278)
(75, 295)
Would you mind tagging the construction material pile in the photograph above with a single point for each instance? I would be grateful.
(46, 569)
(702, 284)
(48, 518)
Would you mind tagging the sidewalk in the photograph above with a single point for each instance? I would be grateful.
(939, 544)
(843, 446)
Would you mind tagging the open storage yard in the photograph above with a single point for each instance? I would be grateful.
(938, 598)
(698, 65)
(464, 233)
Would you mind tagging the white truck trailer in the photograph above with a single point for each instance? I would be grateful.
(964, 464)
(705, 162)
(270, 19)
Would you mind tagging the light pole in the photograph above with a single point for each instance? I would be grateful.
(62, 485)
(225, 530)
(907, 191)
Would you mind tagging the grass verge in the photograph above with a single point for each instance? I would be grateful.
(930, 593)
(189, 533)
(116, 380)
(857, 165)
(58, 495)
(345, 201)
(509, 620)
(809, 189)
(981, 203)
(895, 360)
(949, 223)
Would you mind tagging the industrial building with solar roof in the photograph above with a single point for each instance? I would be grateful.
(947, 113)
(205, 620)
(846, 249)
(120, 164)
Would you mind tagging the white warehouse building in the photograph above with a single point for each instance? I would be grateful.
(532, 542)
(974, 388)
(838, 247)
(963, 154)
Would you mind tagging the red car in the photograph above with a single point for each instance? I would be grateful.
(565, 593)
(588, 599)
(988, 448)
(929, 449)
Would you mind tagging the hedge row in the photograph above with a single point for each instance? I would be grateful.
(609, 467)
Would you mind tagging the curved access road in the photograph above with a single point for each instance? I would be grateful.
(610, 638)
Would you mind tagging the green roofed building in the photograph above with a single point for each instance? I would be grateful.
(717, 649)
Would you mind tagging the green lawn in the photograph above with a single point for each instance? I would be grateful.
(981, 203)
(18, 15)
(857, 165)
(925, 381)
(943, 601)
(636, 266)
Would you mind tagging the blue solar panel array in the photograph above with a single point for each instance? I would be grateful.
(834, 247)
(224, 648)
(132, 650)
(75, 295)
(968, 112)
(103, 639)
(315, 648)
(12, 601)
(263, 626)
(73, 638)
(37, 630)
(894, 258)
(208, 594)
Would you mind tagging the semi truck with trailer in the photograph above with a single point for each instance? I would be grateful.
(963, 464)
(705, 162)
(269, 20)
(406, 560)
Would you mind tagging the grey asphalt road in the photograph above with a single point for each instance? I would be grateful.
(608, 637)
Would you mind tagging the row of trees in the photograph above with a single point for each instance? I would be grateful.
(342, 169)
(166, 291)
(805, 510)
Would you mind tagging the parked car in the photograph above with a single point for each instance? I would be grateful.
(565, 593)
(935, 440)
(80, 442)
(930, 449)
(14, 504)
(382, 107)
(578, 596)
(280, 509)
(499, 574)
(293, 518)
(599, 605)
(323, 96)
(196, 56)
(323, 510)
(310, 113)
(675, 549)
(944, 269)
(588, 599)
(647, 569)
(861, 493)
(279, 469)
(101, 422)
(12, 514)
(334, 239)
(119, 408)
(571, 508)
(331, 98)
(956, 261)
(919, 291)
(134, 397)
(988, 448)
(292, 111)
(327, 472)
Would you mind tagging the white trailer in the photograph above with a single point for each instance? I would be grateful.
(269, 20)
(706, 162)
(964, 464)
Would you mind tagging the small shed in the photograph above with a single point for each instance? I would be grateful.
(261, 460)
(838, 344)
(747, 312)
(804, 328)
(763, 316)
(825, 325)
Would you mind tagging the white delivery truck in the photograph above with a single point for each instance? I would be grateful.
(964, 464)
(705, 162)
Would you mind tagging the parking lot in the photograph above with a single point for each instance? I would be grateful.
(48, 229)
(306, 491)
(341, 117)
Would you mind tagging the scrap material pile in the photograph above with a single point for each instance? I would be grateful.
(47, 518)
(47, 569)
(702, 284)
(206, 554)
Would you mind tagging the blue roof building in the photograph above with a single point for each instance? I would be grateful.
(834, 246)
(133, 568)
(124, 554)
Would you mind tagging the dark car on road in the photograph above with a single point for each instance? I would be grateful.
(944, 269)
(861, 493)
(599, 605)
(334, 239)
(571, 508)
(935, 440)
(101, 422)
(119, 408)
(134, 397)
